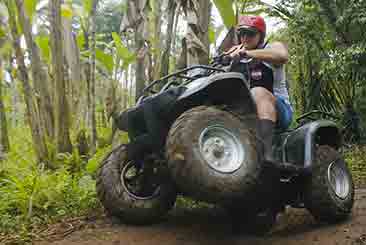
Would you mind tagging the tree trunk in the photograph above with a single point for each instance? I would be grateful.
(155, 39)
(92, 119)
(174, 37)
(198, 18)
(71, 51)
(125, 89)
(140, 65)
(38, 73)
(87, 73)
(4, 137)
(131, 69)
(136, 19)
(31, 109)
(166, 52)
(62, 108)
(302, 85)
(72, 55)
(15, 96)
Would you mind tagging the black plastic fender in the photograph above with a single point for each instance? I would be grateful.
(222, 88)
(155, 106)
(300, 145)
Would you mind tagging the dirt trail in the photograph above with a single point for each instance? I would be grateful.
(208, 226)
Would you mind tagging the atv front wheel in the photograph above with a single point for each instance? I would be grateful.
(135, 194)
(329, 194)
(212, 154)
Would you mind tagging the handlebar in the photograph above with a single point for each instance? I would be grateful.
(218, 63)
(180, 75)
(226, 59)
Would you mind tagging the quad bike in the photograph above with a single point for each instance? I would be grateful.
(196, 137)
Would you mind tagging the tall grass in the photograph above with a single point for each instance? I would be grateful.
(32, 195)
(356, 161)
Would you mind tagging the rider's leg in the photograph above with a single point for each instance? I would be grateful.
(266, 109)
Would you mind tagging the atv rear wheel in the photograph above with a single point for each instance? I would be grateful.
(329, 195)
(212, 154)
(135, 194)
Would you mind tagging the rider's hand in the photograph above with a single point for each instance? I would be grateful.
(232, 49)
(235, 53)
(238, 53)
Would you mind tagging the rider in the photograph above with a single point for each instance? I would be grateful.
(267, 76)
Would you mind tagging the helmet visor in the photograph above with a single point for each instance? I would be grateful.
(246, 31)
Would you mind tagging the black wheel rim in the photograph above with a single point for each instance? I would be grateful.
(140, 182)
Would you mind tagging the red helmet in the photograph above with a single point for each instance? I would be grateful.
(252, 22)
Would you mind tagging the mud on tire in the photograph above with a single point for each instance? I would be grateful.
(189, 154)
(327, 201)
(118, 200)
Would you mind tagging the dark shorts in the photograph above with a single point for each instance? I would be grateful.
(284, 113)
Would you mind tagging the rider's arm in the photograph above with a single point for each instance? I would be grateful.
(276, 54)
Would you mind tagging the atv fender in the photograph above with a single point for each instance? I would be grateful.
(223, 88)
(300, 145)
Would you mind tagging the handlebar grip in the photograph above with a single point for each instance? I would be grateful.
(223, 59)
(226, 59)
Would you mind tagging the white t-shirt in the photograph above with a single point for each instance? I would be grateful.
(279, 80)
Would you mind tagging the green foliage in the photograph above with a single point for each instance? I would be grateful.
(6, 49)
(93, 163)
(87, 6)
(326, 69)
(43, 43)
(356, 161)
(32, 195)
(225, 8)
(105, 59)
(122, 51)
(30, 8)
(66, 11)
(104, 135)
(211, 34)
(108, 19)
(190, 203)
(72, 162)
(80, 40)
(2, 32)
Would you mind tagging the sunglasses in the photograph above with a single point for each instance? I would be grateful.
(246, 32)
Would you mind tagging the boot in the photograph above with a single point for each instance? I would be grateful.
(265, 133)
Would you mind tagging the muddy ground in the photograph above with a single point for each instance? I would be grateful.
(211, 226)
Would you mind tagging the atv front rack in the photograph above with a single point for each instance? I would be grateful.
(180, 74)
